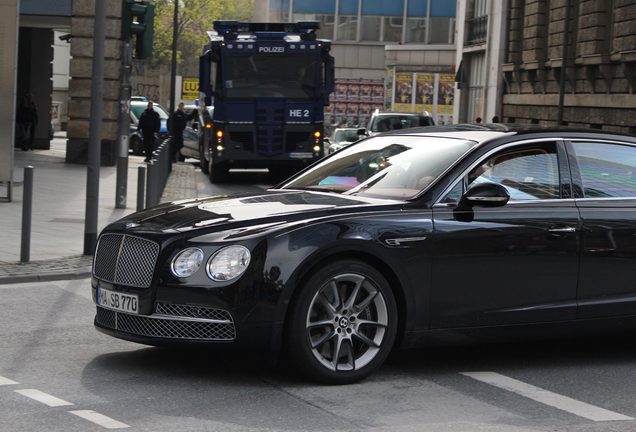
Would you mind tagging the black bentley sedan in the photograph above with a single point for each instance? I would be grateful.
(387, 243)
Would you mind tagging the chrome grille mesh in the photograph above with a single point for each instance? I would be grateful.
(193, 311)
(125, 260)
(174, 327)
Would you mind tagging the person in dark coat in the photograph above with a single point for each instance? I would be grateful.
(149, 125)
(178, 122)
(27, 119)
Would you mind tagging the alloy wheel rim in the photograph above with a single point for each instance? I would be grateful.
(346, 322)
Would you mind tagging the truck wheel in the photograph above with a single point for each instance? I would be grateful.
(217, 172)
(203, 162)
(343, 323)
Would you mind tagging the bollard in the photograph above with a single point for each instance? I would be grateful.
(151, 181)
(27, 207)
(141, 187)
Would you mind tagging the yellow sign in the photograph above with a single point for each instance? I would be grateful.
(190, 88)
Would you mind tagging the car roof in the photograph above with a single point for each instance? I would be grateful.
(485, 132)
(412, 114)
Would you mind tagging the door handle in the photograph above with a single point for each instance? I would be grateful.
(565, 229)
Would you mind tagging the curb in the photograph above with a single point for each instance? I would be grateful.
(45, 277)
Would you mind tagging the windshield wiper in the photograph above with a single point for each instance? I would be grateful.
(319, 189)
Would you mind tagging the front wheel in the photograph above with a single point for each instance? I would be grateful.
(203, 162)
(343, 324)
(217, 172)
(136, 145)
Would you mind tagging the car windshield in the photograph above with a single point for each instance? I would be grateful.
(392, 122)
(137, 109)
(346, 135)
(393, 167)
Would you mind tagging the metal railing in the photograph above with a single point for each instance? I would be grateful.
(158, 171)
(477, 30)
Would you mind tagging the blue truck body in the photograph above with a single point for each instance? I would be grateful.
(269, 83)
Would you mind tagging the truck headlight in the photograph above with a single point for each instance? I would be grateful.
(187, 262)
(228, 263)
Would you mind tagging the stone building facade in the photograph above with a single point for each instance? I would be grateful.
(82, 25)
(600, 68)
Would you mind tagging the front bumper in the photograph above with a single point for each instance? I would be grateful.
(170, 322)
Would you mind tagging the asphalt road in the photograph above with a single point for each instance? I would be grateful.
(59, 374)
(51, 355)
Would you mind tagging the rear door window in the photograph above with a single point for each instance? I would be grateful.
(607, 170)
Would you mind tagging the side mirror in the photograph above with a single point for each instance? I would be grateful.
(362, 131)
(326, 140)
(484, 195)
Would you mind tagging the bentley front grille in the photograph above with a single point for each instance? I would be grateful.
(125, 260)
(178, 325)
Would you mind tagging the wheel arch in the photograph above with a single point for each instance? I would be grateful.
(397, 285)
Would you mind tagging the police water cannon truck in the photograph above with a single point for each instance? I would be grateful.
(269, 83)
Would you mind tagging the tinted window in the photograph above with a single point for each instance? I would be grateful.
(607, 170)
(527, 174)
(250, 76)
(346, 135)
(393, 122)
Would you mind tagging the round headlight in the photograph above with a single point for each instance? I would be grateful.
(228, 263)
(187, 262)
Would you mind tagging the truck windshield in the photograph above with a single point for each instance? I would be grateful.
(287, 76)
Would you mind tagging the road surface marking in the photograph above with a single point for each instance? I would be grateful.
(6, 381)
(100, 419)
(46, 399)
(546, 397)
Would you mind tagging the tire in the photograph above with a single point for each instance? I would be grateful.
(136, 145)
(343, 323)
(203, 162)
(217, 173)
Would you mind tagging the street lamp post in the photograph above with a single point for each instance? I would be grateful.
(173, 66)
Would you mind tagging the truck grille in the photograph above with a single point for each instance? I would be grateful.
(269, 142)
(125, 260)
(171, 326)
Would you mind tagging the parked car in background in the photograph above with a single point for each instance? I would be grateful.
(456, 233)
(342, 137)
(388, 121)
(199, 134)
(137, 106)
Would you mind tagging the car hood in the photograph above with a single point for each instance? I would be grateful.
(256, 211)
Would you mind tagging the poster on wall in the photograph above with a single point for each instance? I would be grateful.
(424, 91)
(352, 103)
(403, 92)
(445, 98)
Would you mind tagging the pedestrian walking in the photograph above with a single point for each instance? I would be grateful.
(27, 119)
(178, 122)
(149, 125)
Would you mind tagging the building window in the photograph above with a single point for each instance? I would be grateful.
(416, 30)
(476, 82)
(393, 29)
(427, 21)
(326, 23)
(371, 28)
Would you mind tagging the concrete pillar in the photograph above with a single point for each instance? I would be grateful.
(80, 84)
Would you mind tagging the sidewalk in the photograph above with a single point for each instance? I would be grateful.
(59, 207)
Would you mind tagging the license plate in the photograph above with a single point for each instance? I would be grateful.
(118, 301)
(299, 155)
